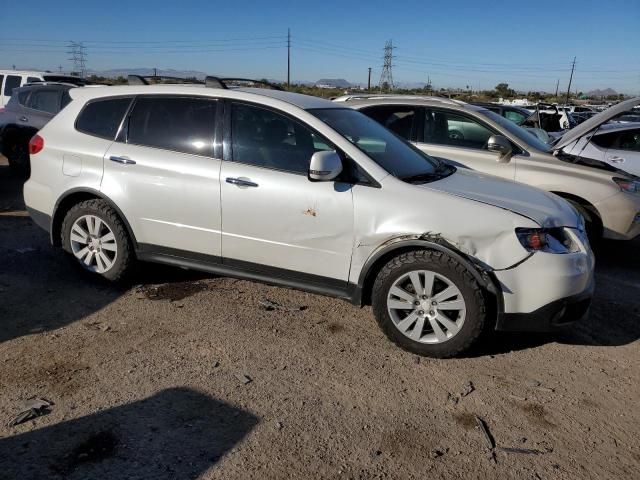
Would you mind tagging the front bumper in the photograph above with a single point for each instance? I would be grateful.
(620, 216)
(546, 291)
(553, 316)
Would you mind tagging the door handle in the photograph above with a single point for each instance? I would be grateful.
(23, 119)
(122, 160)
(241, 182)
(616, 159)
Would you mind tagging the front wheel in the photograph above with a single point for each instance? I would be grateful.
(94, 234)
(429, 304)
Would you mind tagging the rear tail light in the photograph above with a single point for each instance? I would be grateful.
(36, 144)
(1, 109)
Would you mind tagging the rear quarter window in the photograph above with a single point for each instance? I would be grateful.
(101, 118)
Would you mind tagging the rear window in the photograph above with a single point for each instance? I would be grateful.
(102, 117)
(33, 79)
(44, 100)
(13, 81)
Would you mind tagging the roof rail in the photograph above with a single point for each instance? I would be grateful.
(218, 82)
(44, 82)
(145, 79)
(392, 96)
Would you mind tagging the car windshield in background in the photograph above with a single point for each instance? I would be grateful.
(517, 131)
(388, 150)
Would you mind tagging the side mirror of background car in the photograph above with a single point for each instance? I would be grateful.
(500, 145)
(325, 166)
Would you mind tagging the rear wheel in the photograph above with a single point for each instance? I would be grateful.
(429, 304)
(98, 240)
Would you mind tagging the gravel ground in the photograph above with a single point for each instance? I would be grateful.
(186, 376)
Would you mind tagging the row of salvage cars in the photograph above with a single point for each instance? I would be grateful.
(434, 220)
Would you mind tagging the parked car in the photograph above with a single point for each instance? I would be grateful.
(608, 198)
(615, 144)
(306, 193)
(550, 118)
(519, 116)
(12, 79)
(28, 110)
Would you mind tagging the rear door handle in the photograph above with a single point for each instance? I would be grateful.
(23, 119)
(122, 160)
(241, 182)
(616, 159)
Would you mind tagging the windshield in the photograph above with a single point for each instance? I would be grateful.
(516, 131)
(395, 155)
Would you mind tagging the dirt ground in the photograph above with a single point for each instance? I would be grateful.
(186, 376)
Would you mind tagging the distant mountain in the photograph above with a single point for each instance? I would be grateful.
(602, 93)
(334, 82)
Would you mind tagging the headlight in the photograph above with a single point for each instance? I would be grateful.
(549, 240)
(626, 185)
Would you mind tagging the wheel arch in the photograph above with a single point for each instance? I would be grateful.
(75, 196)
(394, 247)
(584, 204)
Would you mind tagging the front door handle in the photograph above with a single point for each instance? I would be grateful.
(122, 160)
(241, 182)
(23, 119)
(616, 159)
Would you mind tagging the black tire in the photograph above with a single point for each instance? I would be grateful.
(441, 263)
(593, 224)
(125, 259)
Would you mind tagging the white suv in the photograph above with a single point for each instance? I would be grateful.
(301, 192)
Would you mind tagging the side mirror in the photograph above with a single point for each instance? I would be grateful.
(325, 166)
(500, 145)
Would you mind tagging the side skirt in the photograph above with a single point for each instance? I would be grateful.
(249, 271)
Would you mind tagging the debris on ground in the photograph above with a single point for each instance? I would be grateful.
(244, 378)
(468, 388)
(489, 440)
(270, 305)
(524, 451)
(97, 326)
(25, 250)
(279, 425)
(34, 408)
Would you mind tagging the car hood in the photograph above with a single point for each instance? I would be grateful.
(546, 209)
(595, 121)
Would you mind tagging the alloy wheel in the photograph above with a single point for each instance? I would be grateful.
(93, 243)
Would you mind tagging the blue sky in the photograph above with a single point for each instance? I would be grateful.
(529, 45)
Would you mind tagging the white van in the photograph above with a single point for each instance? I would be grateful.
(10, 79)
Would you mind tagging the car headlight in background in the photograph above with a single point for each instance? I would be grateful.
(549, 240)
(626, 185)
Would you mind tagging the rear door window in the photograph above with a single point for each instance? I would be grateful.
(13, 81)
(181, 124)
(22, 97)
(44, 101)
(33, 79)
(400, 119)
(628, 140)
(448, 128)
(102, 118)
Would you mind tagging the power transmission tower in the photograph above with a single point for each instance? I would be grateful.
(288, 57)
(78, 57)
(386, 78)
(573, 66)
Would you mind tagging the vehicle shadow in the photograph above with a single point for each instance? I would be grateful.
(176, 433)
(614, 318)
(41, 289)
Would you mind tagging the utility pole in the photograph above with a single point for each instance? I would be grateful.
(573, 66)
(155, 72)
(288, 57)
(59, 68)
(369, 81)
(386, 78)
(557, 85)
